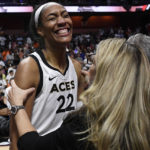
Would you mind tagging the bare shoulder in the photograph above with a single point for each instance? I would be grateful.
(75, 61)
(77, 66)
(27, 74)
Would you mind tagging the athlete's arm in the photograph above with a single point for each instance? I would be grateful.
(27, 75)
(81, 79)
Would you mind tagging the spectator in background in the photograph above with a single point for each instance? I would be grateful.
(4, 119)
(21, 54)
(88, 61)
(3, 83)
(16, 58)
(5, 53)
(10, 75)
(2, 62)
(20, 40)
(10, 56)
(79, 58)
(27, 50)
(2, 41)
(29, 40)
(35, 45)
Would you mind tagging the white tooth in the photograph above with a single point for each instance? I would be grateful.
(63, 31)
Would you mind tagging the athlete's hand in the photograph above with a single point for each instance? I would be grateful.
(16, 95)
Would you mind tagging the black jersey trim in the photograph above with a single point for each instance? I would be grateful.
(41, 75)
(48, 65)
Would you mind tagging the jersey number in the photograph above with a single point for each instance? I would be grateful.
(69, 107)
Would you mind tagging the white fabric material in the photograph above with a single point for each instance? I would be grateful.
(2, 63)
(6, 95)
(3, 85)
(38, 11)
(45, 117)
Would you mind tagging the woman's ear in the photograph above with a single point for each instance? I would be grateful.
(40, 31)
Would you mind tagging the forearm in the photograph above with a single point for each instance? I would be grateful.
(23, 123)
(13, 127)
(13, 134)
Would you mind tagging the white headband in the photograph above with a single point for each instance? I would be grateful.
(38, 11)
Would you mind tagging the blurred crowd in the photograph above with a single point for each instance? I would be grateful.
(13, 48)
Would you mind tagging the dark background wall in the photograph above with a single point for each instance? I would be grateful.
(82, 21)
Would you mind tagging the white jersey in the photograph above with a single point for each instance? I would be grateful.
(56, 95)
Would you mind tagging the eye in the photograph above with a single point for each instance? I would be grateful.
(66, 15)
(51, 19)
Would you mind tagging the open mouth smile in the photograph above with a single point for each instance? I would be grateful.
(63, 32)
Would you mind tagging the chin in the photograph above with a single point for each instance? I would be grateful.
(64, 43)
(65, 40)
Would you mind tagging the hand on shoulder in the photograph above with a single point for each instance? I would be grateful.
(16, 95)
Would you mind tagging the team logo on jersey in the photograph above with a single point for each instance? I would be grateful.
(63, 86)
(50, 79)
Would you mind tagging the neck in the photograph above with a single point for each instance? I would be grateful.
(56, 57)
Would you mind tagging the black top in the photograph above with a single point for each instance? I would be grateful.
(4, 124)
(64, 138)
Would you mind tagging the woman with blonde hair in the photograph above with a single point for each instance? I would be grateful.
(118, 100)
(116, 111)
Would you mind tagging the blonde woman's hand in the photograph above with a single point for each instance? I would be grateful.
(16, 95)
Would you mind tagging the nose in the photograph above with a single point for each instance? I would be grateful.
(61, 21)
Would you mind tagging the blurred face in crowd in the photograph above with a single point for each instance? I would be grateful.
(56, 24)
(11, 73)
